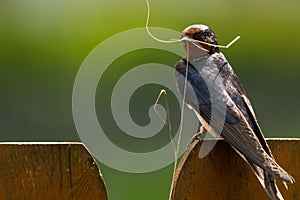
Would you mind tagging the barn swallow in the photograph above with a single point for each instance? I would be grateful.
(212, 84)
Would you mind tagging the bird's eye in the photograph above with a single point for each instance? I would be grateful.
(205, 34)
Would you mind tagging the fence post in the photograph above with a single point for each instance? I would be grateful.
(49, 171)
(223, 174)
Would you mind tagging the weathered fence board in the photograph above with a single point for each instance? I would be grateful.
(35, 171)
(224, 175)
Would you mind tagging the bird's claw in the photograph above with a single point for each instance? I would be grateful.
(201, 131)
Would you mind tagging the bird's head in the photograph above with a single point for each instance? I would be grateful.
(200, 33)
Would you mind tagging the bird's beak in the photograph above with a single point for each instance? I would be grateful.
(184, 38)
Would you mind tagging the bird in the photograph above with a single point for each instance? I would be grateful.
(210, 87)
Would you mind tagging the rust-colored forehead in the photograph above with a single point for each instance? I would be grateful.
(193, 29)
(190, 32)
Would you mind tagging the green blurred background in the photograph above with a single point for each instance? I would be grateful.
(43, 43)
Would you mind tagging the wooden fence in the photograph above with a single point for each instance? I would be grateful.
(54, 171)
(224, 175)
(38, 171)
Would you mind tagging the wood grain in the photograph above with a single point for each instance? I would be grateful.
(224, 175)
(34, 171)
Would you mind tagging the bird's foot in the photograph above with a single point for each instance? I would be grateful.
(201, 131)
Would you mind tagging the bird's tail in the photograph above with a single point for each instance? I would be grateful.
(267, 181)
